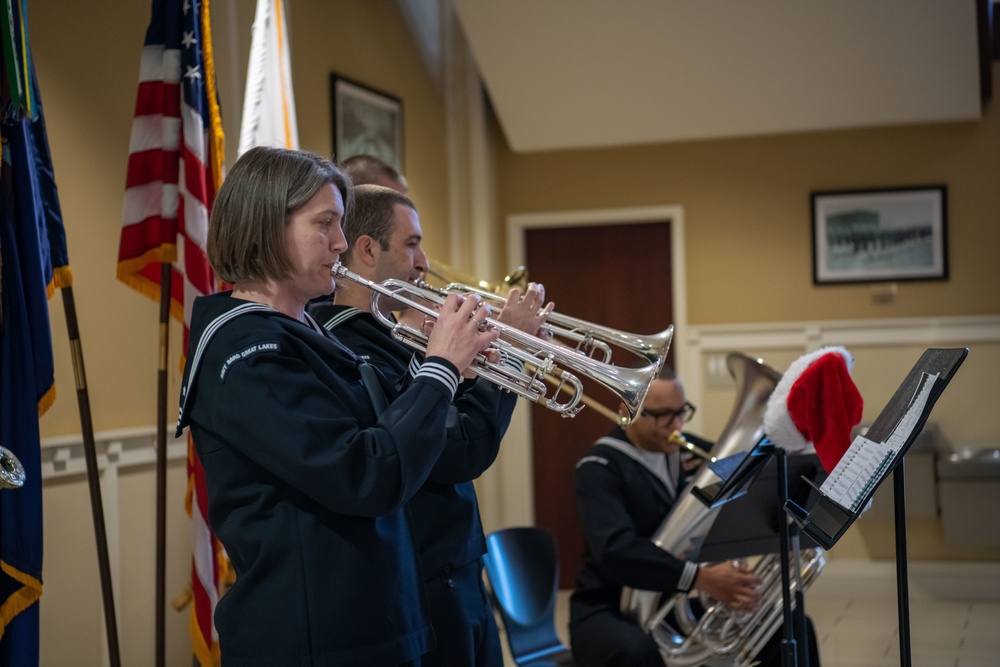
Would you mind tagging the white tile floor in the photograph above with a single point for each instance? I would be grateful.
(860, 632)
(954, 621)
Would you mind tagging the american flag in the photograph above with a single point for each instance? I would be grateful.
(174, 169)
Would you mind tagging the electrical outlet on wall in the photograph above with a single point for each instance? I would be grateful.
(717, 372)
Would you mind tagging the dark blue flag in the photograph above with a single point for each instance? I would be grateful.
(33, 262)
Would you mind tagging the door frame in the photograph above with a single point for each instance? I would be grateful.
(512, 491)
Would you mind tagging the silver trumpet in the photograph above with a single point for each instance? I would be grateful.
(539, 357)
(684, 640)
(591, 339)
(11, 470)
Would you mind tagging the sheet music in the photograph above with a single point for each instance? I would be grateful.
(866, 462)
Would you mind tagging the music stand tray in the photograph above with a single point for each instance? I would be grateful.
(751, 527)
(737, 473)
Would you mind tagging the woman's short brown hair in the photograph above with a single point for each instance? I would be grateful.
(246, 234)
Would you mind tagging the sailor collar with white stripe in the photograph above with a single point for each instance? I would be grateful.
(668, 476)
(342, 317)
(206, 337)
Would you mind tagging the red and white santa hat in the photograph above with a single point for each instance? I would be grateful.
(815, 402)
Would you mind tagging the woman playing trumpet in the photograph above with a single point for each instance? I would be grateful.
(306, 478)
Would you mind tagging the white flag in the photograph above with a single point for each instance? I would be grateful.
(269, 104)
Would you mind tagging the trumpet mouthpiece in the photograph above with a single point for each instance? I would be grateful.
(678, 439)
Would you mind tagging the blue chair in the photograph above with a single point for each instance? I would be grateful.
(523, 575)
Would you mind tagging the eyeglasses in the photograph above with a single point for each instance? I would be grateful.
(685, 413)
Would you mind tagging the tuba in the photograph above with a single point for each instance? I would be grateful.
(682, 638)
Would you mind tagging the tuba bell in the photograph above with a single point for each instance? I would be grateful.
(682, 638)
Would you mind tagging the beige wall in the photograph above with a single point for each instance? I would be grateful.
(747, 212)
(89, 108)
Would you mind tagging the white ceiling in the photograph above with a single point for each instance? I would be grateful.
(565, 74)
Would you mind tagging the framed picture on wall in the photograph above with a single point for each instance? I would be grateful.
(366, 121)
(886, 235)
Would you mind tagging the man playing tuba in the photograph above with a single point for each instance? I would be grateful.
(625, 485)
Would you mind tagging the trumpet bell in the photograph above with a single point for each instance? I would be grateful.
(633, 384)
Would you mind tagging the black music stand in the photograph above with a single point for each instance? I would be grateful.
(751, 527)
(849, 488)
(757, 526)
(737, 473)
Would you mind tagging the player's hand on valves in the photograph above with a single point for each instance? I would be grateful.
(460, 332)
(732, 584)
(525, 312)
(417, 319)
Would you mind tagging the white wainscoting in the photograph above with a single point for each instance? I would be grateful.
(63, 456)
(120, 453)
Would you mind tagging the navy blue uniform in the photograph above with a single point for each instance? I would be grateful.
(307, 488)
(621, 503)
(445, 511)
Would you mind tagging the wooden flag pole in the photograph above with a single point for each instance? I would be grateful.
(166, 277)
(90, 452)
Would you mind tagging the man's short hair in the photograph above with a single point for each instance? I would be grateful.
(246, 235)
(372, 215)
(370, 170)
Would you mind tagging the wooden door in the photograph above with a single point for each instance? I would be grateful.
(615, 275)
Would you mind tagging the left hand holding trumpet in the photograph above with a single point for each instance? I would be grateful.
(525, 312)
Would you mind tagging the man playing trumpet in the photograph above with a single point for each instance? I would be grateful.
(384, 238)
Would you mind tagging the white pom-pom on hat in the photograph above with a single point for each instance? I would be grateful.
(815, 402)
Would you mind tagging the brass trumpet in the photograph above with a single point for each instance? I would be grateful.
(677, 438)
(538, 357)
(449, 274)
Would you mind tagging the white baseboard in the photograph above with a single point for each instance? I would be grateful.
(926, 580)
